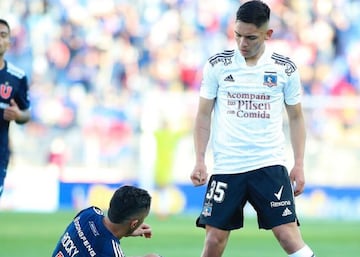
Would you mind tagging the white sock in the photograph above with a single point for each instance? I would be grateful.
(303, 252)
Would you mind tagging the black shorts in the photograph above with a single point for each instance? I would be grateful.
(267, 189)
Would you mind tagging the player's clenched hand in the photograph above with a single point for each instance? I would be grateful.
(199, 175)
(144, 230)
(297, 178)
(12, 112)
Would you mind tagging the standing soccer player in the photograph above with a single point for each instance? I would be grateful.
(14, 99)
(246, 90)
(91, 233)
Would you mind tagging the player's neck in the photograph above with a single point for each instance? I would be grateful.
(2, 63)
(252, 61)
(113, 228)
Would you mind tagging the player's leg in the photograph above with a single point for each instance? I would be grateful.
(215, 242)
(272, 196)
(291, 241)
(222, 211)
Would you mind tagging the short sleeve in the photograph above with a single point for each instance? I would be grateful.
(209, 84)
(23, 98)
(293, 89)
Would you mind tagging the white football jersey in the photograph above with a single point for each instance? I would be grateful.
(247, 121)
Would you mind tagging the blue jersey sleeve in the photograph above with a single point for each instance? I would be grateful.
(22, 98)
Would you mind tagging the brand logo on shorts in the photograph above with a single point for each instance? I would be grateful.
(279, 203)
(278, 194)
(286, 212)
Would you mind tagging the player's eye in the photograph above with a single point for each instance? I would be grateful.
(252, 37)
(4, 34)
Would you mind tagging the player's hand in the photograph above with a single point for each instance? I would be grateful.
(199, 175)
(144, 230)
(12, 112)
(297, 179)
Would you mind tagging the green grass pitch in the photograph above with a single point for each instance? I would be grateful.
(35, 235)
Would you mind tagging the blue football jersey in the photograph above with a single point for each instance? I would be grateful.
(13, 85)
(87, 236)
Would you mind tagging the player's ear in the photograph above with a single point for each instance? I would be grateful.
(134, 223)
(269, 33)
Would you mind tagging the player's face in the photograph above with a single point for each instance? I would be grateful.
(250, 39)
(4, 39)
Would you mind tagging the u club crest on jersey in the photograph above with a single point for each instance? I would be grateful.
(270, 79)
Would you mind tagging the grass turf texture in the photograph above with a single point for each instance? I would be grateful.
(34, 235)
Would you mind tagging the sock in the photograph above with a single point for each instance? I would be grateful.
(303, 252)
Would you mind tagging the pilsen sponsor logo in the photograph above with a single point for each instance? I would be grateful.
(249, 105)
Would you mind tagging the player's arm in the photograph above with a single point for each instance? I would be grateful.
(201, 138)
(297, 137)
(13, 112)
(23, 117)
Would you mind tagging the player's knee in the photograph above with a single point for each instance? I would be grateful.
(216, 240)
(289, 237)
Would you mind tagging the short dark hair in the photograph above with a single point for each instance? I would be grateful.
(4, 22)
(127, 202)
(255, 12)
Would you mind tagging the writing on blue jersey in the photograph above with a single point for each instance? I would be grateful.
(82, 236)
(69, 245)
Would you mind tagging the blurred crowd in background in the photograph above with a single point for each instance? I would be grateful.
(104, 73)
